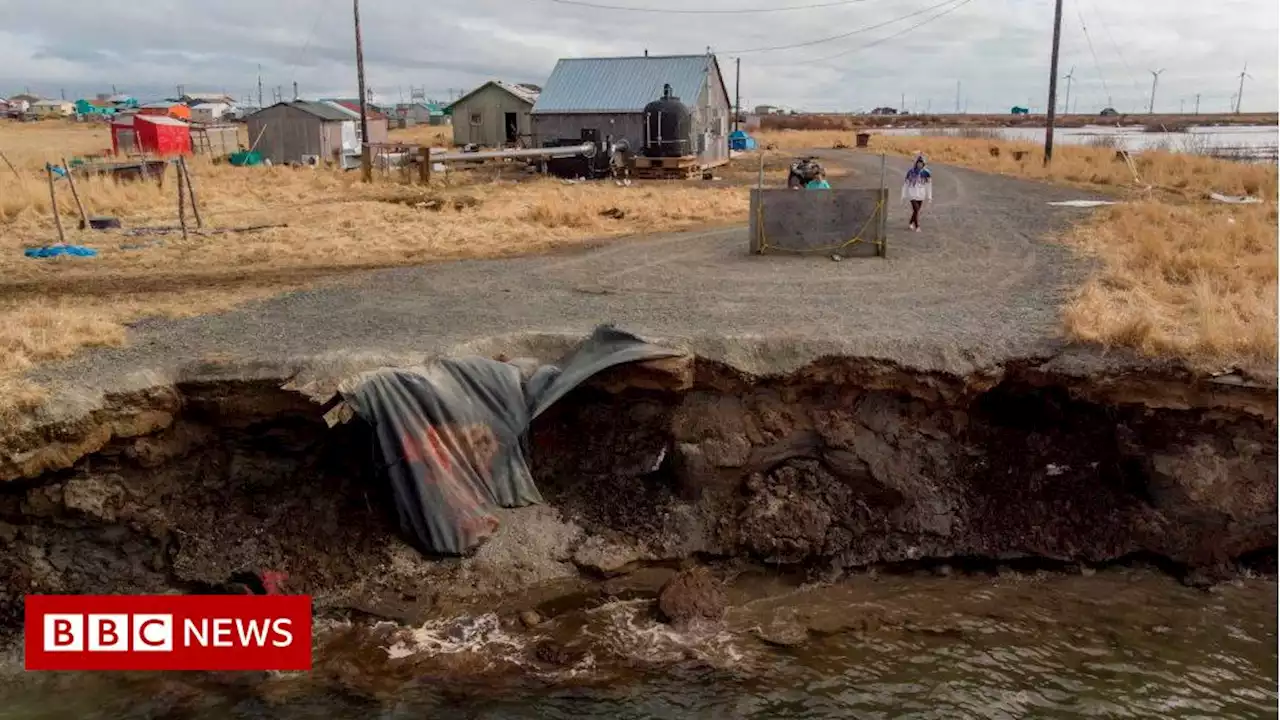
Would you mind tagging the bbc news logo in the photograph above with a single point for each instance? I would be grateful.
(168, 632)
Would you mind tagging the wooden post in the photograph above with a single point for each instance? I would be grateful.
(425, 171)
(11, 167)
(53, 202)
(182, 204)
(191, 190)
(366, 159)
(84, 217)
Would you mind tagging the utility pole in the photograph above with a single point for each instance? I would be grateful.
(295, 89)
(259, 87)
(1053, 83)
(902, 107)
(366, 154)
(1155, 78)
(1182, 106)
(737, 92)
(1240, 93)
(1197, 103)
(1066, 106)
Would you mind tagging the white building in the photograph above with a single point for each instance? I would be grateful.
(209, 112)
(53, 108)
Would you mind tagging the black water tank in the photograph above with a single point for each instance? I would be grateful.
(668, 127)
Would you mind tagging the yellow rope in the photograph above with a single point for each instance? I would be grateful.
(857, 238)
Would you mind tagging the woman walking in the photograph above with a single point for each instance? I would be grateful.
(918, 188)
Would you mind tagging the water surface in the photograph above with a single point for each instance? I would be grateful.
(1119, 644)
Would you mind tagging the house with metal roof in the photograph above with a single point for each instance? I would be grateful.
(301, 131)
(496, 114)
(607, 97)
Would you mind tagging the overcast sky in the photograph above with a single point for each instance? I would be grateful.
(998, 50)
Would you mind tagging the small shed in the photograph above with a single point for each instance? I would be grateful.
(420, 113)
(379, 124)
(53, 108)
(496, 114)
(609, 95)
(158, 134)
(209, 112)
(22, 102)
(301, 130)
(172, 109)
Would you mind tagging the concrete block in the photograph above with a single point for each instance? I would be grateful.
(819, 222)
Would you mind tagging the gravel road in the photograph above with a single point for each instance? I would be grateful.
(980, 284)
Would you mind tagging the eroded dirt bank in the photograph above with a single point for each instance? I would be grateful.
(241, 485)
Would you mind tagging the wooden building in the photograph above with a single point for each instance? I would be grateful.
(301, 131)
(496, 114)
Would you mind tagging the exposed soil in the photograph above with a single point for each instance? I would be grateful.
(239, 486)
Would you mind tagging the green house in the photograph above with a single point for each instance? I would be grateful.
(94, 107)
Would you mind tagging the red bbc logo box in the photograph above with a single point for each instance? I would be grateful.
(168, 632)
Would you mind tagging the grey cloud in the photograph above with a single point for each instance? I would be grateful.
(996, 49)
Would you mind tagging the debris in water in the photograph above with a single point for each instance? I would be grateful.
(455, 635)
(694, 594)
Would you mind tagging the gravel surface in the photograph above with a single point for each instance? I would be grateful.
(980, 284)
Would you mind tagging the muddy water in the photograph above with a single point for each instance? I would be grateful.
(1118, 643)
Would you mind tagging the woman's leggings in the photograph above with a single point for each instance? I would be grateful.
(915, 212)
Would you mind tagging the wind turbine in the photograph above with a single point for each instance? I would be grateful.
(1155, 78)
(1240, 93)
(1066, 107)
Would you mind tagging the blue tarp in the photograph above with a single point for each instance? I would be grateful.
(740, 140)
(49, 251)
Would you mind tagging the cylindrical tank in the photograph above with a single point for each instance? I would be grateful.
(668, 127)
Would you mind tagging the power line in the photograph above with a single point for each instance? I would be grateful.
(742, 11)
(1096, 64)
(1133, 77)
(841, 36)
(900, 33)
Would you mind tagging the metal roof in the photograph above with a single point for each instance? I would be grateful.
(522, 92)
(621, 84)
(324, 111)
(160, 120)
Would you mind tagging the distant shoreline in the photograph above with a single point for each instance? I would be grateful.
(1171, 122)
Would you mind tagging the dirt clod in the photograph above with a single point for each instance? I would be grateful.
(693, 594)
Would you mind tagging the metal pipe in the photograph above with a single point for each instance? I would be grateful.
(585, 149)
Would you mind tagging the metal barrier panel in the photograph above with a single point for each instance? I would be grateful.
(848, 222)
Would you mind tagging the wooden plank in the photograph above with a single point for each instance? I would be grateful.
(84, 217)
(53, 202)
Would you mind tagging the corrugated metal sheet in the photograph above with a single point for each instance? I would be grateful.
(621, 85)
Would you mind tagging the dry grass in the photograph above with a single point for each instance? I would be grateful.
(433, 135)
(1190, 281)
(335, 225)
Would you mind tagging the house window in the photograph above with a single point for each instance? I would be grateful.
(476, 118)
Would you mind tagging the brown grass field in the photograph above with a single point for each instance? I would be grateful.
(1176, 276)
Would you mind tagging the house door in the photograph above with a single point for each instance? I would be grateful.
(512, 125)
